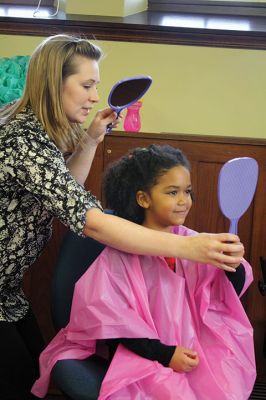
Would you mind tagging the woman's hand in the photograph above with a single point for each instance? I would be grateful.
(238, 253)
(223, 250)
(97, 129)
(184, 360)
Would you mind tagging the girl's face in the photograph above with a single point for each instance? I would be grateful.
(80, 90)
(169, 201)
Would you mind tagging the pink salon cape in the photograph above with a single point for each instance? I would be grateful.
(124, 295)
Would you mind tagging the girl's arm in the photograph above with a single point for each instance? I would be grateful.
(132, 238)
(152, 349)
(237, 279)
(179, 358)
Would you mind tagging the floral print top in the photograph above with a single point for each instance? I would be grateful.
(35, 186)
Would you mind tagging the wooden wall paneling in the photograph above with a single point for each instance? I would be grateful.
(256, 305)
(208, 216)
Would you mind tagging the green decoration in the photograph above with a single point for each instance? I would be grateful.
(12, 78)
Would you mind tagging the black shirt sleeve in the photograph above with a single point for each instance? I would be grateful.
(152, 349)
(237, 278)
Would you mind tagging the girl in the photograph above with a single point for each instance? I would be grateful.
(176, 329)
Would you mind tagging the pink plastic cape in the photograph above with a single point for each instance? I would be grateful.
(124, 295)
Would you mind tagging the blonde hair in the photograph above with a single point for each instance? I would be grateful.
(50, 64)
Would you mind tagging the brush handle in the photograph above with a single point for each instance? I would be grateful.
(110, 126)
(233, 226)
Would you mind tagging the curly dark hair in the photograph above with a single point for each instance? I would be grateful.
(138, 170)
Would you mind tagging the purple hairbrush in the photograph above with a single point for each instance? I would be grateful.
(236, 187)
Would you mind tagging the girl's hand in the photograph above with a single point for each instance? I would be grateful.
(184, 360)
(97, 129)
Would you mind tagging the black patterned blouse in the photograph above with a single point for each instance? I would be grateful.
(35, 186)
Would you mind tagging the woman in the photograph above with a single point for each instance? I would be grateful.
(36, 185)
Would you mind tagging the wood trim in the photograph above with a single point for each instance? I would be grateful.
(194, 138)
(119, 29)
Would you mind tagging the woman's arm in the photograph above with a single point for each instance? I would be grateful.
(132, 238)
(79, 163)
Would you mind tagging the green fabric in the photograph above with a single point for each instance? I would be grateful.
(12, 78)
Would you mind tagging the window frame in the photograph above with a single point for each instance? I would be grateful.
(234, 7)
(145, 27)
(45, 3)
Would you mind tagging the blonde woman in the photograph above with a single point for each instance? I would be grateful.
(36, 184)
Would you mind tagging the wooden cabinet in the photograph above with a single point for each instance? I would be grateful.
(207, 154)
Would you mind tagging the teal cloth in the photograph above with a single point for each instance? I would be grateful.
(12, 77)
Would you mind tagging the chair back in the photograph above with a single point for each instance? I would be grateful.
(75, 256)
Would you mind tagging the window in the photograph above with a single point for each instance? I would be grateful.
(47, 3)
(29, 8)
(235, 7)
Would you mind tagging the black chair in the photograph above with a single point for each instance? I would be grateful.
(78, 379)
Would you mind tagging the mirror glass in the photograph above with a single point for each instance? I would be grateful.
(128, 91)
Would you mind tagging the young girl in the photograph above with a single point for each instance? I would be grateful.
(176, 329)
